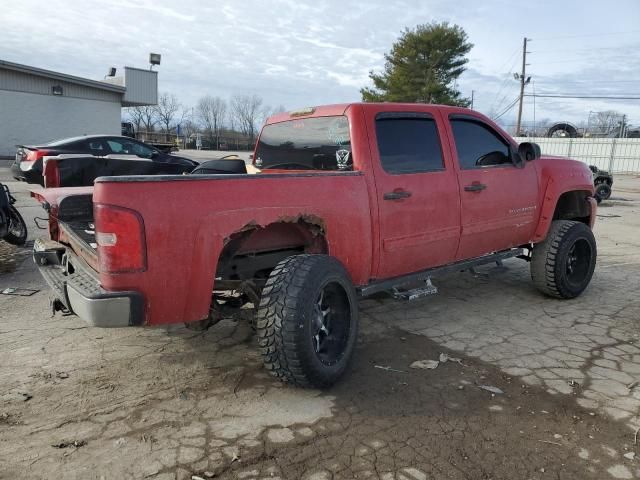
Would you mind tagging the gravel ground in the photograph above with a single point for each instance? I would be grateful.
(85, 403)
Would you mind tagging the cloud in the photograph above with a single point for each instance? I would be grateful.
(299, 52)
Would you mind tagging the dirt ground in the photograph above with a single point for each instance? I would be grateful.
(86, 403)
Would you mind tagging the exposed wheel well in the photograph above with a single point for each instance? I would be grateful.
(255, 250)
(573, 206)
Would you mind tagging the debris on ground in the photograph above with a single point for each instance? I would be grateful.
(444, 358)
(25, 396)
(489, 388)
(388, 369)
(425, 364)
(73, 443)
(21, 292)
(62, 375)
(8, 255)
(629, 455)
(8, 419)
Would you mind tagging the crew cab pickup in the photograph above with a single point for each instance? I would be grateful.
(348, 201)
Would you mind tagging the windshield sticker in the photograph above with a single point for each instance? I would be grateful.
(343, 159)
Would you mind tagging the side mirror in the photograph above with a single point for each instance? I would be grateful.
(529, 151)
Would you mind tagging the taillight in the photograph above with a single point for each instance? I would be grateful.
(51, 174)
(33, 155)
(120, 238)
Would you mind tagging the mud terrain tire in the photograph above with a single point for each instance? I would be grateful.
(307, 321)
(562, 265)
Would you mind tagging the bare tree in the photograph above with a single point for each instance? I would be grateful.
(246, 110)
(212, 111)
(605, 122)
(143, 116)
(134, 115)
(268, 111)
(166, 110)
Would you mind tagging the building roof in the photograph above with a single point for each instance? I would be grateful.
(40, 72)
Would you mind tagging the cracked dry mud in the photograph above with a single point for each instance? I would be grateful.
(172, 404)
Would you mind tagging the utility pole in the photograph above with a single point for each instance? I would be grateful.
(472, 94)
(523, 81)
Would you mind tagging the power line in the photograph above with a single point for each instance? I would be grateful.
(600, 97)
(582, 50)
(509, 107)
(551, 79)
(505, 81)
(544, 39)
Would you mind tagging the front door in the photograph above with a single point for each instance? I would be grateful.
(417, 191)
(499, 200)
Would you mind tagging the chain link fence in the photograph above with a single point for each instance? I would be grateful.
(617, 155)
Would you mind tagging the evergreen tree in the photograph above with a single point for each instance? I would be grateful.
(422, 67)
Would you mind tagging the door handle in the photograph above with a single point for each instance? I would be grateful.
(396, 195)
(475, 187)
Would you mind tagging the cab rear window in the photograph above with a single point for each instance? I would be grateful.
(319, 143)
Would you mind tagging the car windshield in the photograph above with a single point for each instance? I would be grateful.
(319, 143)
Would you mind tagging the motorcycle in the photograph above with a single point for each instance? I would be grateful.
(12, 226)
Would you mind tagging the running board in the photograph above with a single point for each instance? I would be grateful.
(415, 293)
(424, 275)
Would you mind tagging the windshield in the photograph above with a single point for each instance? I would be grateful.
(320, 143)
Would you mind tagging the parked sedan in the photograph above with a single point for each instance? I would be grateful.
(78, 161)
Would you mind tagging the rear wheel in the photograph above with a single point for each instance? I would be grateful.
(563, 264)
(17, 229)
(307, 322)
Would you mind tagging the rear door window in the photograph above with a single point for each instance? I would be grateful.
(408, 143)
(317, 143)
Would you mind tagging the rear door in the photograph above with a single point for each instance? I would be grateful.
(416, 187)
(499, 199)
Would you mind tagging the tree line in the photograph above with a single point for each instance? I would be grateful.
(212, 116)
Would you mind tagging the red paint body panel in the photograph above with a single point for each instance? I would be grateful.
(189, 219)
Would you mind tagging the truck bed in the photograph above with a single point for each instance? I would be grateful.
(75, 221)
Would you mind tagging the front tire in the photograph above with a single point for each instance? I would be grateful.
(563, 264)
(307, 321)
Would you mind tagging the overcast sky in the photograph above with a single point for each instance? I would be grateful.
(300, 53)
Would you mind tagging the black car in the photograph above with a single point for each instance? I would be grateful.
(78, 161)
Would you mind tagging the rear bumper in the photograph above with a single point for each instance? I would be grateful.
(32, 175)
(76, 287)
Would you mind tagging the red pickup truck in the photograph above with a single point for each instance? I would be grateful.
(348, 201)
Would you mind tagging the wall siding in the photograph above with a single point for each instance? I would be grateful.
(28, 118)
(11, 80)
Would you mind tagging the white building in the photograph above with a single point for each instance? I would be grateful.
(38, 106)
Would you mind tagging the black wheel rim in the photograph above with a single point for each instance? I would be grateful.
(578, 262)
(16, 228)
(331, 323)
